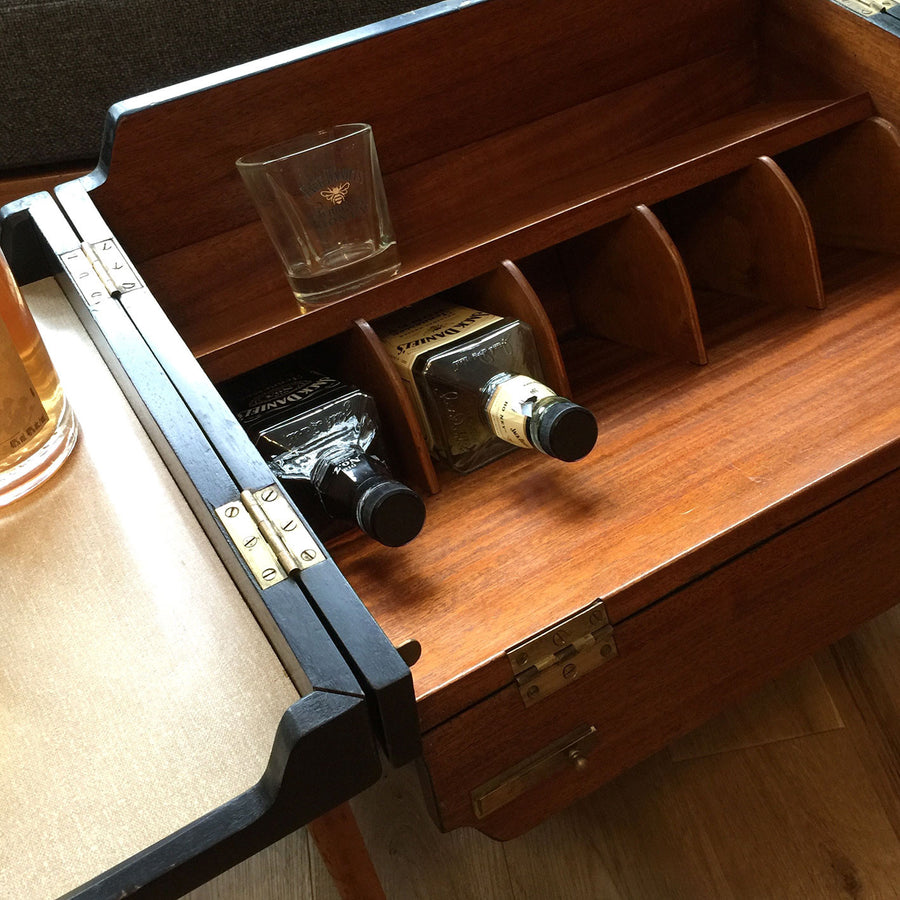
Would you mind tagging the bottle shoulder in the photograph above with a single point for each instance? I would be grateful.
(506, 345)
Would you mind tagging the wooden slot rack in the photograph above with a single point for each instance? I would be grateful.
(632, 281)
(475, 173)
(701, 227)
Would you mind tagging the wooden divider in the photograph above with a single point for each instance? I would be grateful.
(850, 182)
(358, 355)
(748, 235)
(628, 284)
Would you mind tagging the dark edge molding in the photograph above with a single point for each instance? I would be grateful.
(21, 242)
(324, 750)
(375, 663)
(301, 781)
(889, 20)
(377, 666)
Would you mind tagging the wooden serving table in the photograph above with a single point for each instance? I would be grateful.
(137, 692)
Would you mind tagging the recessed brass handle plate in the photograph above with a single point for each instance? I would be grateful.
(570, 751)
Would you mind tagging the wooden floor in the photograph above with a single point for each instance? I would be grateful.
(794, 794)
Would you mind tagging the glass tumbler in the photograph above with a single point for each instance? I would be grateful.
(37, 425)
(321, 199)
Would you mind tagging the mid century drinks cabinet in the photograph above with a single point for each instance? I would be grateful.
(696, 208)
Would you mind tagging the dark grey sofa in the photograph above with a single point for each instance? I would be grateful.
(65, 62)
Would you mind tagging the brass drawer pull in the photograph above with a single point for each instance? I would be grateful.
(570, 751)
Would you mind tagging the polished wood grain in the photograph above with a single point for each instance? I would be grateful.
(229, 298)
(137, 696)
(628, 283)
(693, 466)
(849, 183)
(681, 660)
(782, 799)
(728, 518)
(462, 81)
(836, 44)
(749, 234)
(635, 111)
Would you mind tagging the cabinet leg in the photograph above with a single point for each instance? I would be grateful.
(343, 850)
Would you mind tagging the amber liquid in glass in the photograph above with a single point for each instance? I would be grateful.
(40, 454)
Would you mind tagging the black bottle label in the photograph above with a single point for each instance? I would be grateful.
(259, 405)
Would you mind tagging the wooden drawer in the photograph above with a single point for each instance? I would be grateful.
(679, 662)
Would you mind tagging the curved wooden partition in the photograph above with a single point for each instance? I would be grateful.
(849, 182)
(628, 284)
(748, 235)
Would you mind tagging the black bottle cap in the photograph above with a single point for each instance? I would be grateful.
(390, 512)
(565, 430)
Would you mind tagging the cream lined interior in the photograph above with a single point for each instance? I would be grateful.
(136, 690)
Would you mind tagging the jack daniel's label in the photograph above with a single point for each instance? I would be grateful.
(259, 403)
(510, 408)
(431, 325)
(22, 414)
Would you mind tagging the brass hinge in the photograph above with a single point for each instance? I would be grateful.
(272, 540)
(93, 289)
(114, 270)
(562, 653)
(867, 7)
(100, 271)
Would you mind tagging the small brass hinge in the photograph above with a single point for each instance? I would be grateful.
(562, 653)
(100, 271)
(272, 540)
(113, 268)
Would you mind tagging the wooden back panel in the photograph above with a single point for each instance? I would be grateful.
(447, 82)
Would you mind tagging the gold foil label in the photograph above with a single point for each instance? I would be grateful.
(510, 408)
(433, 324)
(22, 415)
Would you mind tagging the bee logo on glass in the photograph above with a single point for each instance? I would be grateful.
(337, 193)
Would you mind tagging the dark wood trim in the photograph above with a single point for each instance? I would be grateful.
(294, 791)
(383, 675)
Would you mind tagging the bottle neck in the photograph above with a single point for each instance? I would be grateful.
(526, 413)
(510, 404)
(341, 478)
(355, 486)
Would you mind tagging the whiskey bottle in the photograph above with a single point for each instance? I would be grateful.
(37, 426)
(323, 441)
(477, 383)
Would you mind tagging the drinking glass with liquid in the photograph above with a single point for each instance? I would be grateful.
(37, 425)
